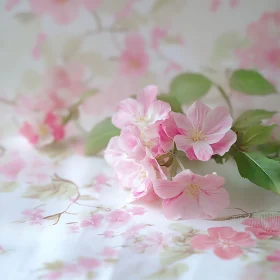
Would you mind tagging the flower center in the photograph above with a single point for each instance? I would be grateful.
(134, 62)
(225, 243)
(142, 120)
(192, 190)
(43, 130)
(142, 174)
(197, 135)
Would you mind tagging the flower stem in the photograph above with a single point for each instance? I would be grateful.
(224, 95)
(179, 162)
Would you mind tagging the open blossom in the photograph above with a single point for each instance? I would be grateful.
(204, 132)
(226, 242)
(142, 112)
(191, 196)
(43, 130)
(134, 60)
(263, 228)
(139, 176)
(93, 222)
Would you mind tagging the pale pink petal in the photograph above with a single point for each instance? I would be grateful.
(113, 153)
(214, 202)
(218, 121)
(168, 189)
(228, 253)
(181, 206)
(221, 232)
(147, 96)
(190, 153)
(275, 257)
(243, 239)
(126, 111)
(253, 222)
(181, 121)
(209, 182)
(203, 242)
(259, 233)
(28, 132)
(166, 143)
(225, 143)
(197, 113)
(158, 111)
(183, 142)
(91, 4)
(170, 127)
(203, 151)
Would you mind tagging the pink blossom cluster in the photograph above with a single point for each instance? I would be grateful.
(150, 129)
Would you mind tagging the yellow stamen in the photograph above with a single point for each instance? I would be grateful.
(192, 190)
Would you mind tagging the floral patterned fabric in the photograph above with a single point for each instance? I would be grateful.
(62, 214)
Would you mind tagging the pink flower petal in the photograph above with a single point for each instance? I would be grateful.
(214, 202)
(167, 189)
(243, 239)
(203, 242)
(228, 253)
(181, 206)
(28, 132)
(183, 142)
(197, 113)
(218, 121)
(209, 182)
(225, 143)
(147, 96)
(181, 121)
(158, 110)
(221, 232)
(203, 151)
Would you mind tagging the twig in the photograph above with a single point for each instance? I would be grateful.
(224, 95)
(179, 162)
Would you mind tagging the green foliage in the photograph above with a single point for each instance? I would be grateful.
(189, 87)
(256, 135)
(172, 101)
(250, 118)
(251, 82)
(100, 136)
(259, 169)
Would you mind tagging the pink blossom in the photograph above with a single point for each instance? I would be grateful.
(11, 4)
(43, 130)
(133, 231)
(139, 176)
(126, 146)
(136, 210)
(74, 228)
(158, 34)
(62, 11)
(134, 60)
(204, 132)
(53, 275)
(142, 112)
(93, 222)
(34, 216)
(172, 66)
(263, 228)
(215, 4)
(89, 263)
(118, 218)
(275, 257)
(191, 196)
(226, 242)
(110, 252)
(12, 165)
(36, 52)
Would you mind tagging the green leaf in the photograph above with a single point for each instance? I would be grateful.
(172, 101)
(174, 272)
(251, 82)
(179, 227)
(8, 186)
(25, 17)
(259, 169)
(270, 148)
(257, 135)
(250, 118)
(100, 136)
(173, 254)
(189, 87)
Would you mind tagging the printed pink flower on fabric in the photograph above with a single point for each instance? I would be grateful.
(134, 60)
(275, 257)
(158, 34)
(191, 196)
(93, 222)
(43, 130)
(34, 216)
(12, 165)
(110, 252)
(263, 228)
(142, 112)
(133, 231)
(89, 263)
(137, 210)
(118, 218)
(226, 242)
(139, 176)
(204, 132)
